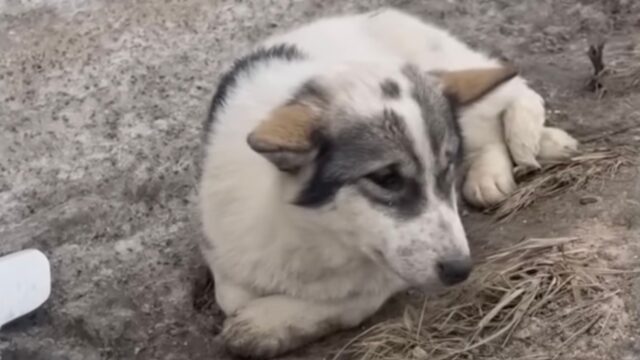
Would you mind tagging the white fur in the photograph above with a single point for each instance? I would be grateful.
(286, 275)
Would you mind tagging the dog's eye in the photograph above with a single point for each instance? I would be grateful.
(388, 178)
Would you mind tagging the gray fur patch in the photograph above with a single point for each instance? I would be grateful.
(436, 111)
(390, 89)
(442, 127)
(312, 92)
(363, 148)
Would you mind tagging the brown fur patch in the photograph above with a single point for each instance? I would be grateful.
(467, 86)
(289, 128)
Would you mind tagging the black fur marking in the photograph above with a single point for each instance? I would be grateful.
(395, 125)
(282, 52)
(390, 89)
(457, 154)
(440, 116)
(311, 91)
(354, 153)
(322, 187)
(410, 201)
(432, 108)
(445, 181)
(406, 204)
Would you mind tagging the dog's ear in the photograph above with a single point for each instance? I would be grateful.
(287, 137)
(464, 87)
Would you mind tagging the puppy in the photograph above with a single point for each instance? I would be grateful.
(329, 179)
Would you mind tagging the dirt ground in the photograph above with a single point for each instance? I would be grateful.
(101, 104)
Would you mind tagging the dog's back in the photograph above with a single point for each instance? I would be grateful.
(383, 35)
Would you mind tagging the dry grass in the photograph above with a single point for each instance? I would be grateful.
(555, 178)
(549, 286)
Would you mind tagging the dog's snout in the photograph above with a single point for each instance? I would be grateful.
(454, 270)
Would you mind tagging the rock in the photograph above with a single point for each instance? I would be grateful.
(589, 199)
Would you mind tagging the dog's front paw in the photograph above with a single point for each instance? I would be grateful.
(484, 189)
(556, 144)
(489, 179)
(271, 326)
(246, 337)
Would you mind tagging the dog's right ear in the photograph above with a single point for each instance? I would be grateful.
(287, 137)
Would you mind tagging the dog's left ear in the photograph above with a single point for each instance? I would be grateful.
(287, 137)
(464, 87)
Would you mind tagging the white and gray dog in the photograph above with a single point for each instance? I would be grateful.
(329, 181)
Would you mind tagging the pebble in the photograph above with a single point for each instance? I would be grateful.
(589, 199)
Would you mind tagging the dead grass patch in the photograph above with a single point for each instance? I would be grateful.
(555, 178)
(555, 286)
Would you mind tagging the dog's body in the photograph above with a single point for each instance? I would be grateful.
(328, 182)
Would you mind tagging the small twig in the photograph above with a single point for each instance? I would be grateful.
(596, 55)
(424, 308)
(606, 322)
(506, 300)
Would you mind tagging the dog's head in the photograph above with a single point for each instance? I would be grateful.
(369, 155)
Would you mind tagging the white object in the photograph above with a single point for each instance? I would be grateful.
(25, 283)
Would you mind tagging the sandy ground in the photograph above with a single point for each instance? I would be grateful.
(101, 104)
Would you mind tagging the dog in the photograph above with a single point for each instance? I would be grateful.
(329, 181)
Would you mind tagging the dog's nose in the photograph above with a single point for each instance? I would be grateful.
(454, 270)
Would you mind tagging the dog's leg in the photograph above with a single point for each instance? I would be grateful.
(231, 297)
(556, 144)
(502, 130)
(488, 164)
(525, 141)
(523, 122)
(273, 325)
(529, 141)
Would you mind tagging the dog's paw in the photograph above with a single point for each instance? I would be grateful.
(484, 189)
(274, 325)
(556, 144)
(489, 179)
(247, 336)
